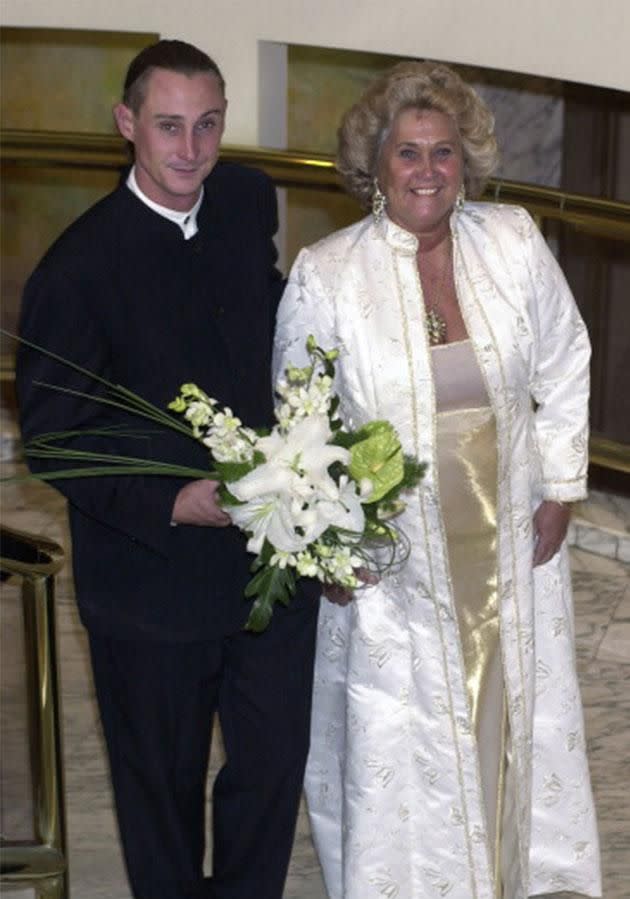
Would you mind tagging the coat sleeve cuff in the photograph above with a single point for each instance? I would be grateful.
(565, 491)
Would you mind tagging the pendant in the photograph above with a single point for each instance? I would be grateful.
(436, 327)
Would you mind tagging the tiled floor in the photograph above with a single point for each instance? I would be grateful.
(602, 594)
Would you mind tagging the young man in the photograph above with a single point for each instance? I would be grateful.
(171, 278)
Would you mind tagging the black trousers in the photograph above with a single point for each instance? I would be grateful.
(157, 702)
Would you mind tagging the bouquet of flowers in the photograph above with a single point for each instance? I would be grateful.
(314, 499)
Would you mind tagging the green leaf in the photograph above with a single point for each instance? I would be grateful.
(269, 585)
(233, 471)
(226, 498)
(414, 472)
(346, 439)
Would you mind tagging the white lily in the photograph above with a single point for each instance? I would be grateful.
(297, 463)
(268, 516)
(289, 499)
(345, 511)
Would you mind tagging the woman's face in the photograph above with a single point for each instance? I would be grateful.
(421, 170)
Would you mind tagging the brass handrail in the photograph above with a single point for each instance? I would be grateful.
(297, 168)
(609, 454)
(42, 865)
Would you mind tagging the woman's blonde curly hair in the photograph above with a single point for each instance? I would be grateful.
(414, 85)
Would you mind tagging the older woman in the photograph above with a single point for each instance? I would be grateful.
(448, 754)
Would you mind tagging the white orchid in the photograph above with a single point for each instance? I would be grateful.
(231, 446)
(303, 394)
(307, 565)
(283, 560)
(339, 566)
(226, 422)
(199, 414)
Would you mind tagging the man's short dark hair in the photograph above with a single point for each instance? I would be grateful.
(175, 56)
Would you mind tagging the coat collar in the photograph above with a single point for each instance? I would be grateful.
(400, 240)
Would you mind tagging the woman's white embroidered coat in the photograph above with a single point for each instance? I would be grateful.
(393, 778)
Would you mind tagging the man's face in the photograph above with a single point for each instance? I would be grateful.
(176, 135)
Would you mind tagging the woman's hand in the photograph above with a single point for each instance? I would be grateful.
(341, 596)
(338, 595)
(551, 521)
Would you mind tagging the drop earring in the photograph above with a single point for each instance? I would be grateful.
(379, 202)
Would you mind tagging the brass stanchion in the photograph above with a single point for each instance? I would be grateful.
(43, 863)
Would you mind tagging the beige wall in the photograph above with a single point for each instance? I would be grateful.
(61, 80)
(577, 40)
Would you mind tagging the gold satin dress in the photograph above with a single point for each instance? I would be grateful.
(467, 465)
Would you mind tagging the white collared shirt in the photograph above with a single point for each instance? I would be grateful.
(187, 221)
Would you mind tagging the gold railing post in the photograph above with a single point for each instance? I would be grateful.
(43, 864)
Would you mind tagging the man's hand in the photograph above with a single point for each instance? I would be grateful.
(551, 521)
(198, 503)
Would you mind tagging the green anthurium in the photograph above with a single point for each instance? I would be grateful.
(378, 457)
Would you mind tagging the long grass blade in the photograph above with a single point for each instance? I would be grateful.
(143, 408)
(180, 471)
(134, 400)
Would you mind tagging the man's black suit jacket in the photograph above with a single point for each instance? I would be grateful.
(123, 294)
